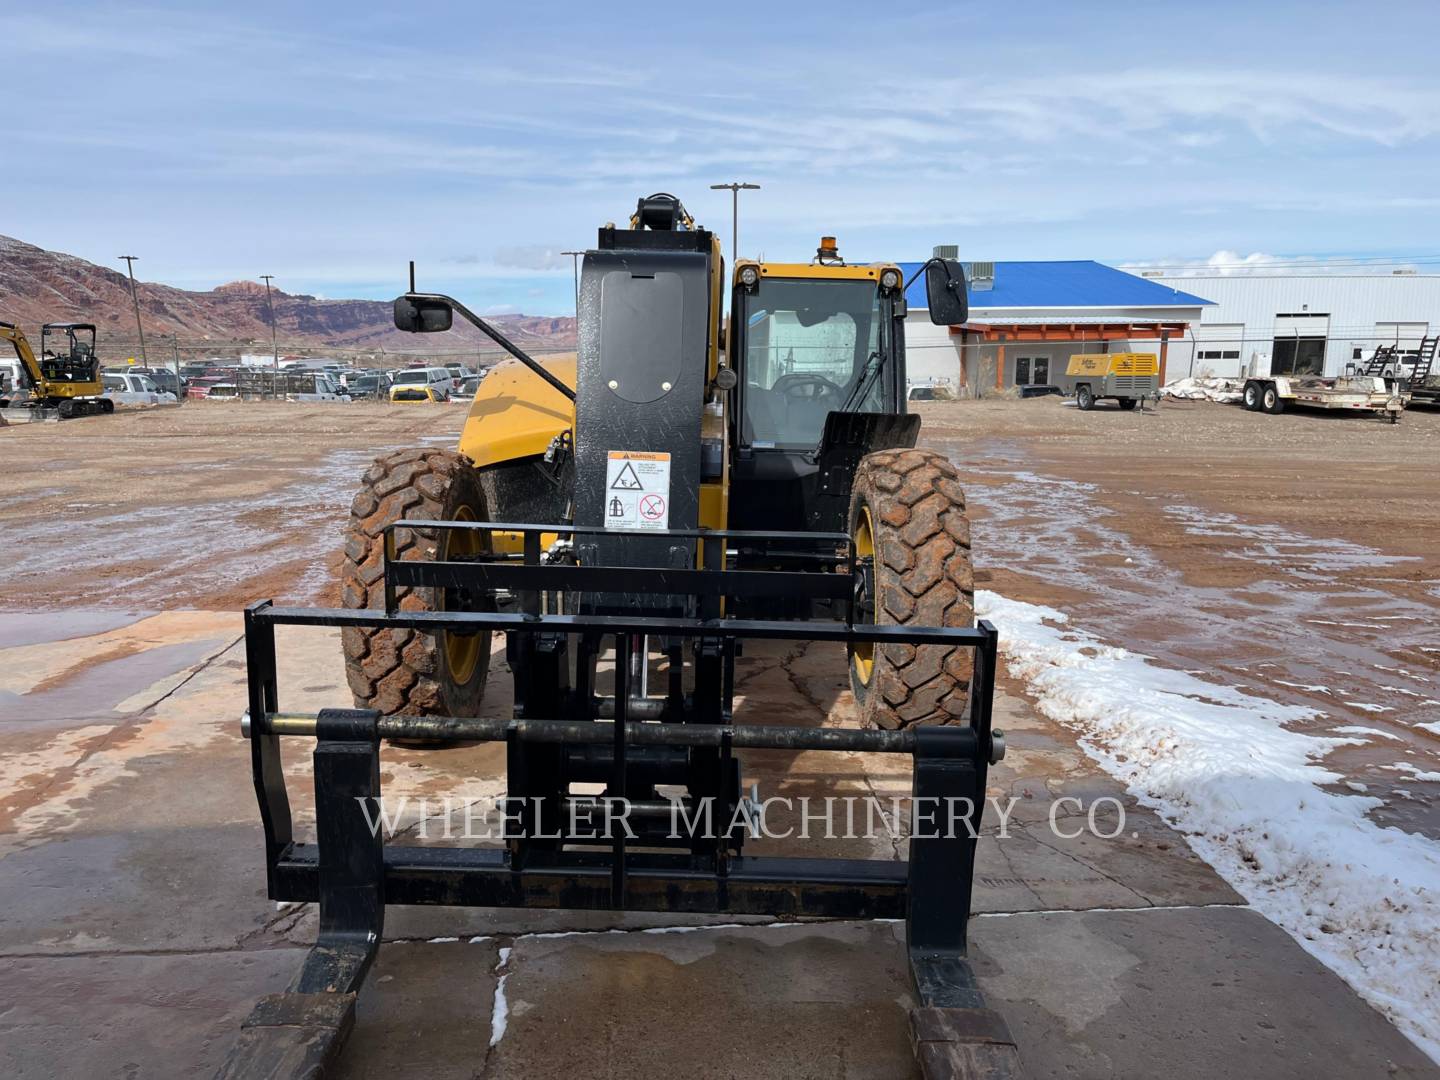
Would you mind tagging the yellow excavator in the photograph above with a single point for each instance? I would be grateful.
(66, 375)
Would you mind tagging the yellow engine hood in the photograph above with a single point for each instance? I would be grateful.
(516, 414)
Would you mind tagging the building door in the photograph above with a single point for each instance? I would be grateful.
(1299, 343)
(1298, 356)
(1032, 370)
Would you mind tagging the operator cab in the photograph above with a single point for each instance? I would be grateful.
(71, 356)
(809, 341)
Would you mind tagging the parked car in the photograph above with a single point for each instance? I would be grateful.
(467, 389)
(459, 372)
(200, 387)
(327, 388)
(129, 388)
(164, 378)
(11, 378)
(411, 393)
(437, 380)
(368, 385)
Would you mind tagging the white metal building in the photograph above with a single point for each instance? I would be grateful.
(1293, 323)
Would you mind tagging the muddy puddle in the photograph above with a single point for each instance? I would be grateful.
(1324, 623)
(110, 688)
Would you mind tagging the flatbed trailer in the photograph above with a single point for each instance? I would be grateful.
(1427, 393)
(1347, 393)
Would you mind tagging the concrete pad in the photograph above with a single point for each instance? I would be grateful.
(1197, 992)
(425, 1011)
(131, 1016)
(817, 1000)
(131, 882)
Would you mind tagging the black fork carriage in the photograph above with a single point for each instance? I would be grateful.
(559, 620)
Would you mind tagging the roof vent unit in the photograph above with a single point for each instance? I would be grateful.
(946, 251)
(1152, 273)
(980, 275)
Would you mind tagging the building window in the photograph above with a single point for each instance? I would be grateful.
(1218, 354)
(1022, 371)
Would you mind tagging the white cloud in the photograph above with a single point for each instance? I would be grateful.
(533, 257)
(1232, 263)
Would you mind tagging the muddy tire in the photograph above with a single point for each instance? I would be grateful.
(407, 671)
(1126, 403)
(1271, 401)
(1084, 399)
(1252, 397)
(908, 509)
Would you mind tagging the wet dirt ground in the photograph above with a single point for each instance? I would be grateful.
(134, 931)
(1297, 556)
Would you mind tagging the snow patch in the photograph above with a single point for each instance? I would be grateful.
(1223, 768)
(500, 1009)
(499, 1012)
(1412, 772)
(1311, 688)
(1353, 729)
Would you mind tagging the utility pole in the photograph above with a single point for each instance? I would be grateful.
(179, 386)
(129, 261)
(575, 266)
(274, 348)
(734, 189)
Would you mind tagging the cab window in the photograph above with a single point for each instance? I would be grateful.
(807, 347)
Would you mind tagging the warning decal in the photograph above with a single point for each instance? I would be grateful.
(637, 490)
(628, 480)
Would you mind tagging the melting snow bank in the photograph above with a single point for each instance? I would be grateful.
(1220, 766)
(500, 1010)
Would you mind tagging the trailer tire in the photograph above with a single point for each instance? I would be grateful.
(410, 671)
(1126, 403)
(1084, 398)
(1271, 401)
(1252, 396)
(911, 533)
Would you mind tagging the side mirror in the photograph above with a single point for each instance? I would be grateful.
(945, 293)
(422, 315)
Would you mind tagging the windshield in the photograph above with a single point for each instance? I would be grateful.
(807, 344)
(421, 376)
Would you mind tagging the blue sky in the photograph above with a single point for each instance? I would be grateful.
(327, 143)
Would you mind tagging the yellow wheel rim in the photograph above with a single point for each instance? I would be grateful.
(863, 655)
(462, 651)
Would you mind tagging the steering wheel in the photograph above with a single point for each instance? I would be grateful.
(807, 387)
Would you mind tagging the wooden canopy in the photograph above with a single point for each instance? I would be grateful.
(1001, 333)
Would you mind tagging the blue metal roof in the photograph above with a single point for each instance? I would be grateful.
(1078, 283)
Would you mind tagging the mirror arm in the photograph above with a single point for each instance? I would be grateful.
(499, 339)
(919, 273)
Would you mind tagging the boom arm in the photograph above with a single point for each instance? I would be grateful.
(28, 364)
